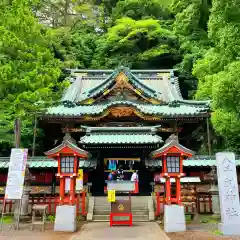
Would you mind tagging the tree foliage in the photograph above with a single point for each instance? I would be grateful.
(135, 43)
(218, 71)
(29, 72)
(140, 9)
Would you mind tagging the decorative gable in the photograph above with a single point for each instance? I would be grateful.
(122, 85)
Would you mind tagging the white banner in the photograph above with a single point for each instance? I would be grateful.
(16, 173)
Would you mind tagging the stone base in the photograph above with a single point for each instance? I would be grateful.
(65, 220)
(229, 229)
(216, 216)
(25, 200)
(174, 218)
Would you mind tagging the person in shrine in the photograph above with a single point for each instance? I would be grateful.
(112, 176)
(120, 174)
(134, 177)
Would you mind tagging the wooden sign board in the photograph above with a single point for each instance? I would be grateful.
(121, 206)
(79, 182)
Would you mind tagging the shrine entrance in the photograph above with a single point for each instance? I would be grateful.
(110, 160)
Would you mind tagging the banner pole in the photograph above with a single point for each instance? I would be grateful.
(3, 207)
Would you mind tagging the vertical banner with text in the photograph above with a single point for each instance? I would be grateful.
(16, 173)
(228, 193)
(79, 180)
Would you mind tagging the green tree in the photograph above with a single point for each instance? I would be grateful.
(219, 69)
(140, 9)
(191, 19)
(29, 72)
(68, 13)
(137, 44)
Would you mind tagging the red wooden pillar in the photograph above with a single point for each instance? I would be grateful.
(178, 190)
(72, 190)
(168, 190)
(62, 189)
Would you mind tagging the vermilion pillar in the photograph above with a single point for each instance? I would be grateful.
(72, 189)
(168, 190)
(62, 189)
(178, 190)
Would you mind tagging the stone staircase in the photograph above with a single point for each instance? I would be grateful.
(140, 209)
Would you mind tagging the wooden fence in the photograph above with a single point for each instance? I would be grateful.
(202, 205)
(51, 201)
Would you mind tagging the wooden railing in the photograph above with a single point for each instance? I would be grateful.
(203, 204)
(51, 201)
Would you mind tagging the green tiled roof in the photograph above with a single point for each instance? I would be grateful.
(120, 135)
(159, 84)
(120, 139)
(174, 109)
(68, 142)
(45, 162)
(172, 141)
(196, 161)
(108, 83)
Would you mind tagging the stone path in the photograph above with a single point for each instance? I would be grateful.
(102, 231)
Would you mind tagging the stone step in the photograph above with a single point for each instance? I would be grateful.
(101, 207)
(139, 206)
(136, 218)
(96, 208)
(104, 205)
(107, 212)
(133, 203)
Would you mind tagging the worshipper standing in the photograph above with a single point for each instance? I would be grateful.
(134, 178)
(120, 174)
(112, 176)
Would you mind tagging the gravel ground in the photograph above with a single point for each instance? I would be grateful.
(200, 232)
(198, 235)
(25, 232)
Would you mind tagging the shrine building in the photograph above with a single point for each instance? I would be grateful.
(120, 117)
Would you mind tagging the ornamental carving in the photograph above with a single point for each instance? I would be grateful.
(122, 82)
(122, 111)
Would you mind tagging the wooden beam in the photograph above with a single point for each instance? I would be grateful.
(34, 135)
(17, 131)
(209, 138)
(171, 130)
(122, 159)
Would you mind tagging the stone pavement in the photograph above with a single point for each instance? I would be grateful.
(102, 231)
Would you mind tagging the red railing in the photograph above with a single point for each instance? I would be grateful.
(51, 201)
(8, 208)
(159, 204)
